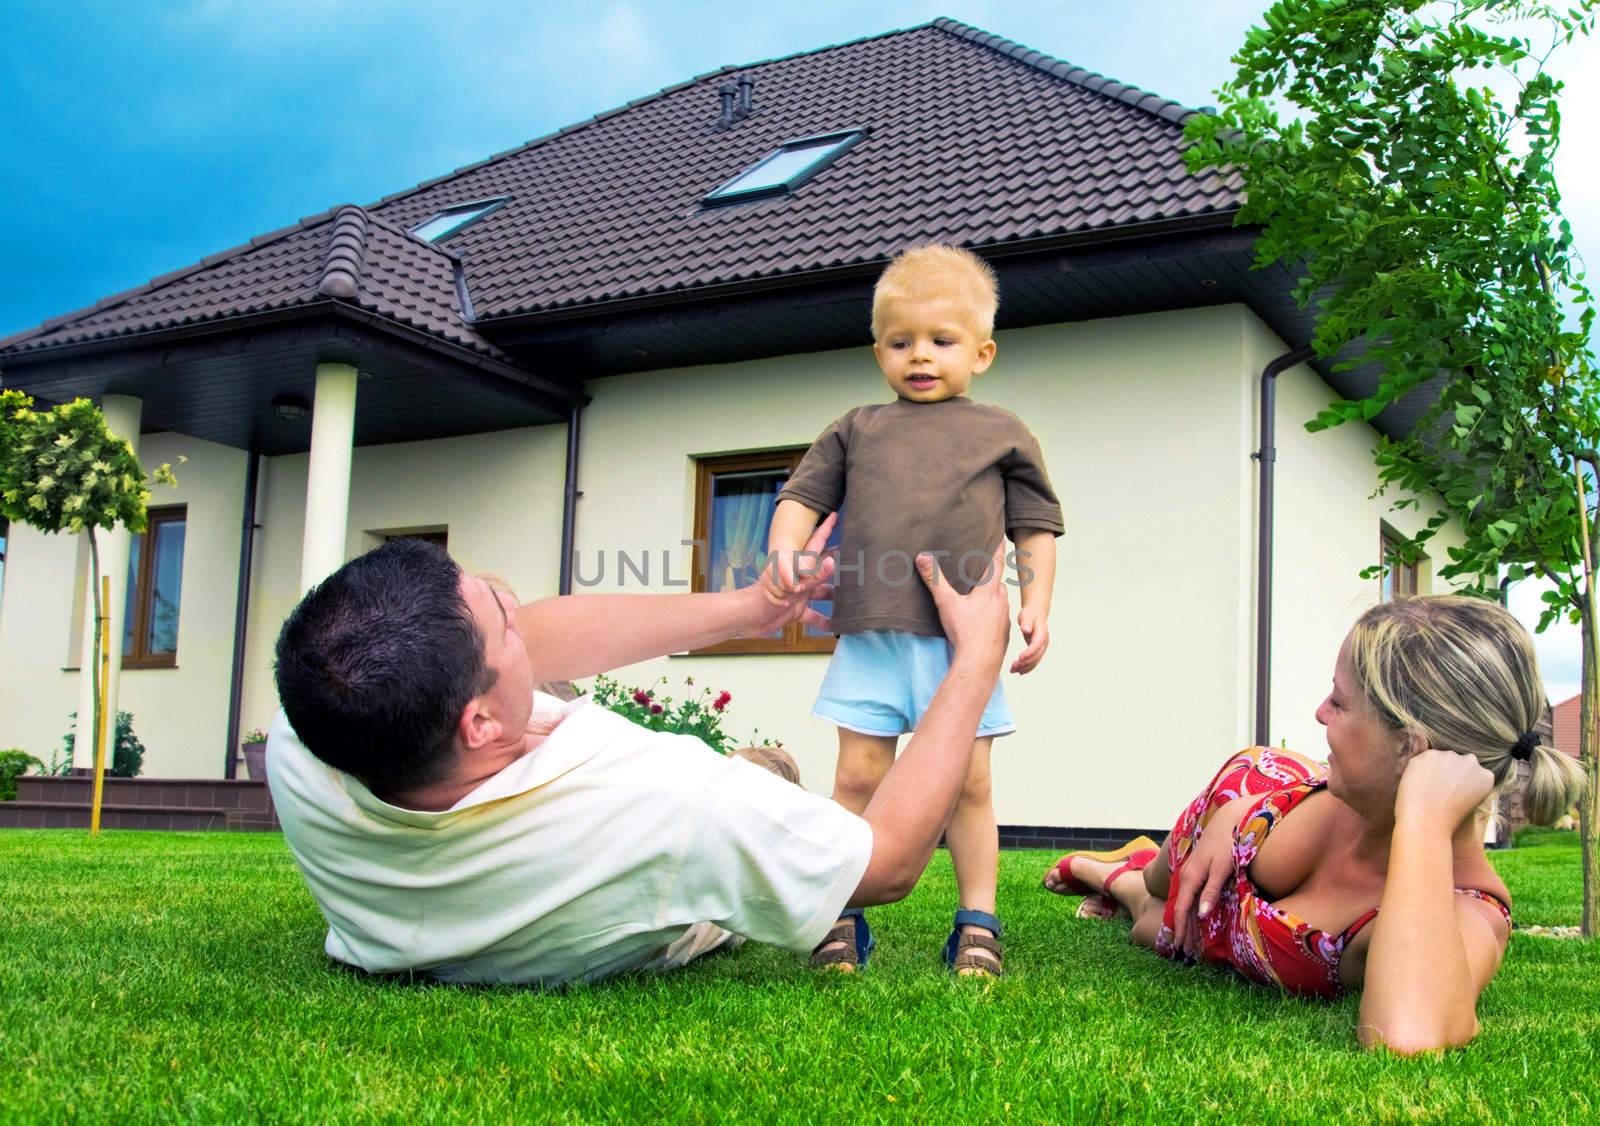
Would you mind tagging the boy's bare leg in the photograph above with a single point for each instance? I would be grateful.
(974, 841)
(863, 761)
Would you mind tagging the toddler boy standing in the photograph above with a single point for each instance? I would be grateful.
(932, 472)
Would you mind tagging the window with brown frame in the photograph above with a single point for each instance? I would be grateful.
(155, 588)
(441, 540)
(734, 500)
(1399, 579)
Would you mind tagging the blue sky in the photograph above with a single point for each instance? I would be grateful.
(138, 137)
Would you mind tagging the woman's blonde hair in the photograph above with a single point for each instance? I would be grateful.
(937, 270)
(1460, 674)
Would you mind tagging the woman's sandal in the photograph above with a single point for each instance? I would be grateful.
(852, 943)
(1102, 904)
(960, 949)
(1068, 884)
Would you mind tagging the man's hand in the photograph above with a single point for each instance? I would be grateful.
(1036, 632)
(791, 581)
(977, 623)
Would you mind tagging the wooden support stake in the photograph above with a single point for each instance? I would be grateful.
(100, 712)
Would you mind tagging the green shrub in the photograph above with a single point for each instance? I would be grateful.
(13, 763)
(127, 753)
(699, 715)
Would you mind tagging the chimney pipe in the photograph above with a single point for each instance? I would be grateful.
(727, 93)
(747, 86)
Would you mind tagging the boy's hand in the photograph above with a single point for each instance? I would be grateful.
(792, 580)
(1036, 632)
(788, 571)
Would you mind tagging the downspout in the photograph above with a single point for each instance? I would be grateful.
(569, 502)
(241, 613)
(1267, 455)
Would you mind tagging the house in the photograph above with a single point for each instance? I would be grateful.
(1567, 727)
(573, 359)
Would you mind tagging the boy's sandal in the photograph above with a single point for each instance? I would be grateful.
(851, 940)
(960, 950)
(1068, 884)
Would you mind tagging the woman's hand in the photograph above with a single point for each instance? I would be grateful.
(1204, 874)
(1443, 786)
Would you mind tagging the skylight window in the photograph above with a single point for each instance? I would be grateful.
(452, 219)
(786, 168)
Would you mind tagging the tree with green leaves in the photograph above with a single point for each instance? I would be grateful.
(63, 470)
(1398, 157)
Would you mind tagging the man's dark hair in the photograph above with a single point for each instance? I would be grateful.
(376, 663)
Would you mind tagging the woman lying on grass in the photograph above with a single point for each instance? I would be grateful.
(1369, 872)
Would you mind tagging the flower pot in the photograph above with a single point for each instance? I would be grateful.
(255, 761)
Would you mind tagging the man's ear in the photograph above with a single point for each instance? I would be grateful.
(985, 356)
(477, 725)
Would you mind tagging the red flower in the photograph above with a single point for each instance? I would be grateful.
(656, 709)
(722, 700)
(641, 697)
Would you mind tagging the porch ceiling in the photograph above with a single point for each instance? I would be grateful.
(220, 385)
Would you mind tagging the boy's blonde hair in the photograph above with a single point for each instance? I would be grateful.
(1460, 673)
(937, 270)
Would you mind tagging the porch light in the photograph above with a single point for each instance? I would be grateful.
(290, 408)
(786, 167)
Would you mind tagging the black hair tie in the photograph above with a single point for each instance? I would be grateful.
(1522, 749)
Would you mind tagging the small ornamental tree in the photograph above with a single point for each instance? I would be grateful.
(62, 470)
(1421, 214)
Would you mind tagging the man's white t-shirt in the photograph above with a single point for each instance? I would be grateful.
(589, 855)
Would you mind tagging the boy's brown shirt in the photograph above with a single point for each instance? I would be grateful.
(946, 477)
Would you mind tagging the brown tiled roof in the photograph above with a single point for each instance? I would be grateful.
(343, 254)
(972, 139)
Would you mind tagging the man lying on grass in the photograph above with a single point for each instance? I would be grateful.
(442, 831)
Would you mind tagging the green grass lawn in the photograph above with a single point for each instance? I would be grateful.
(153, 976)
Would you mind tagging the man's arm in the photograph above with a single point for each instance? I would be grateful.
(915, 799)
(574, 636)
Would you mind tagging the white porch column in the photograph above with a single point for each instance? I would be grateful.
(333, 418)
(122, 414)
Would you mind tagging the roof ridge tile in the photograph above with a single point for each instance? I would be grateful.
(346, 255)
(1167, 110)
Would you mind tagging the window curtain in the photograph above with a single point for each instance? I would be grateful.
(741, 514)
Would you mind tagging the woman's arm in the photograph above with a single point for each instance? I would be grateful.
(1432, 951)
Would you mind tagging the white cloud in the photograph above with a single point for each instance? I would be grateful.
(1560, 648)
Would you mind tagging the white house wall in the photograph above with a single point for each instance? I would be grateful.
(1320, 547)
(497, 495)
(179, 713)
(1147, 424)
(1144, 425)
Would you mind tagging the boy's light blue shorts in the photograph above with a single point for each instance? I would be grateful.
(881, 683)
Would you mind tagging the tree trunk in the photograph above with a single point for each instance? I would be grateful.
(1587, 708)
(1587, 804)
